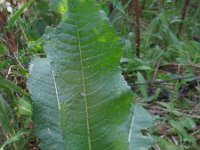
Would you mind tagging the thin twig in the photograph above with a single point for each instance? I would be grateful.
(157, 68)
(175, 140)
(156, 147)
(179, 112)
(16, 60)
(25, 36)
(9, 71)
(166, 81)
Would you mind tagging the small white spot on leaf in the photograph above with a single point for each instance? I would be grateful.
(31, 68)
(49, 131)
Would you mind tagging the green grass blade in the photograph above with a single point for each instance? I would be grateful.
(17, 14)
(8, 84)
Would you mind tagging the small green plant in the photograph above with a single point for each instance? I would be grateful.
(15, 116)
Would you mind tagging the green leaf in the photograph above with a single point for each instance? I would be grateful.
(188, 123)
(119, 6)
(141, 120)
(180, 129)
(5, 117)
(16, 137)
(17, 14)
(7, 84)
(166, 145)
(182, 132)
(142, 68)
(25, 107)
(80, 99)
(142, 88)
(58, 5)
(46, 107)
(3, 50)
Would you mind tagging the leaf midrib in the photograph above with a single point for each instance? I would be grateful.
(56, 89)
(83, 78)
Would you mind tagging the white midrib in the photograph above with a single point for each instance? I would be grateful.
(130, 131)
(83, 80)
(55, 85)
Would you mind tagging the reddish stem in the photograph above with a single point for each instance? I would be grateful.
(137, 27)
(183, 14)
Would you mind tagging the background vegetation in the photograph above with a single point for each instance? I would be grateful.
(161, 63)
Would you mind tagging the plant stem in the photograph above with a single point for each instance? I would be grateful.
(137, 27)
(165, 81)
(183, 14)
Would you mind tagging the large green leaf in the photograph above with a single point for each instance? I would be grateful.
(58, 5)
(46, 107)
(80, 99)
(140, 121)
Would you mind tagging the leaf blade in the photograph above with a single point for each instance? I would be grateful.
(45, 111)
(84, 53)
(6, 83)
(141, 120)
